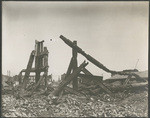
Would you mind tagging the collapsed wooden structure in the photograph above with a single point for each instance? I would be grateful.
(41, 65)
(74, 75)
(73, 67)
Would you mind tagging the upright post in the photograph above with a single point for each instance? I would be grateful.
(37, 64)
(75, 65)
(45, 57)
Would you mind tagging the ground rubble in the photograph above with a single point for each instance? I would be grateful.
(70, 105)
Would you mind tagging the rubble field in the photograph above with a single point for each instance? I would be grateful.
(134, 104)
(77, 94)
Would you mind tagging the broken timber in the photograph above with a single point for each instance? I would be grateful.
(100, 65)
(93, 60)
(101, 84)
(41, 65)
(69, 78)
(73, 65)
(29, 66)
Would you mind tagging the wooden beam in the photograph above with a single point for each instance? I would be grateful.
(37, 62)
(29, 66)
(68, 79)
(69, 68)
(75, 65)
(46, 57)
(91, 77)
(105, 88)
(31, 70)
(41, 69)
(127, 80)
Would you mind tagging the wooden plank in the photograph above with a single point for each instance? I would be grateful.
(46, 81)
(127, 80)
(75, 65)
(91, 76)
(29, 66)
(40, 57)
(75, 81)
(41, 47)
(69, 68)
(37, 63)
(68, 79)
(31, 70)
(41, 69)
(105, 88)
(46, 57)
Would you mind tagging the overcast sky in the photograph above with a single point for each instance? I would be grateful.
(114, 33)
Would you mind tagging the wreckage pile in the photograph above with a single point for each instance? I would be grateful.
(102, 105)
(79, 93)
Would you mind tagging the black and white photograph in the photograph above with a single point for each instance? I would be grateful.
(75, 58)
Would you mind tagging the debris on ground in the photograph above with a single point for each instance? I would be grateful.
(79, 94)
(70, 105)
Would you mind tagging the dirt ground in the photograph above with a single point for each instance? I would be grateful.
(102, 105)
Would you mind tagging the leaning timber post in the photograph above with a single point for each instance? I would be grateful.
(37, 64)
(29, 66)
(69, 78)
(75, 65)
(69, 68)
